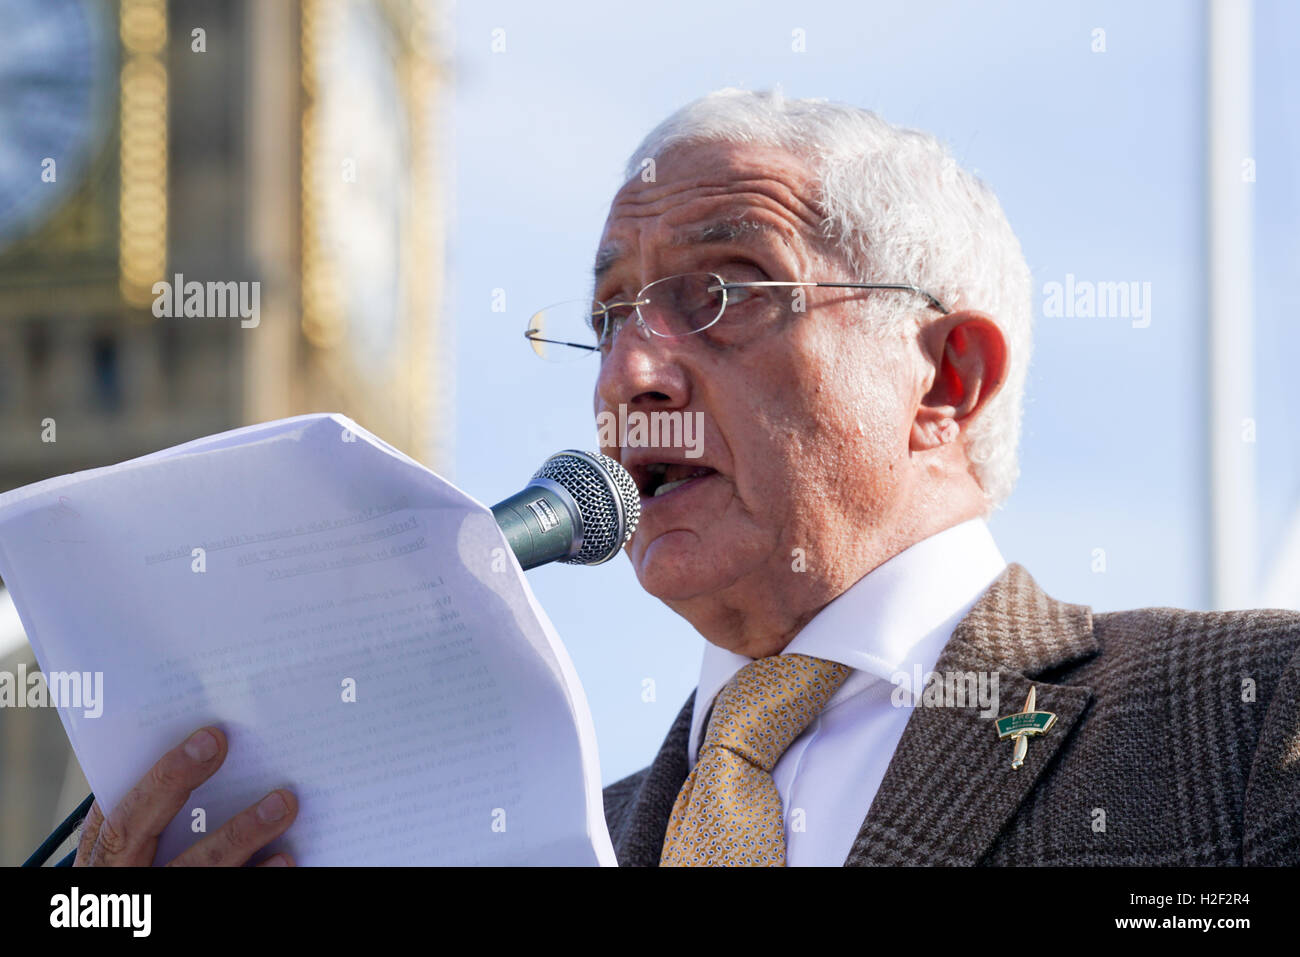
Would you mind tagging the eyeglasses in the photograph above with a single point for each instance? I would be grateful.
(670, 308)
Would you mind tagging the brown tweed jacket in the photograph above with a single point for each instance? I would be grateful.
(1152, 731)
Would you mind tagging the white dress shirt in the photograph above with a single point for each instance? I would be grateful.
(898, 616)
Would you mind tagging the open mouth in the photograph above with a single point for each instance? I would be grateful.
(659, 478)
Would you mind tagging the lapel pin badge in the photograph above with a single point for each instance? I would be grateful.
(1021, 725)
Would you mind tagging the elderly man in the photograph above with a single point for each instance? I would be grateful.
(848, 313)
(859, 426)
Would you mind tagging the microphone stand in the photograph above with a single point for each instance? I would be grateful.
(59, 835)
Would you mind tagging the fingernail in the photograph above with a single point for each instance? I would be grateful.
(279, 860)
(202, 746)
(273, 807)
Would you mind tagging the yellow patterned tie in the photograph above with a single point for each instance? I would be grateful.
(729, 812)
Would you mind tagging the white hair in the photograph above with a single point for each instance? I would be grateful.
(898, 208)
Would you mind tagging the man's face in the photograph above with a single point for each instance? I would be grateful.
(805, 415)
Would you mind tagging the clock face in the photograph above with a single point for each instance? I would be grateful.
(56, 75)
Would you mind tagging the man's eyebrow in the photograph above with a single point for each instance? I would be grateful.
(723, 231)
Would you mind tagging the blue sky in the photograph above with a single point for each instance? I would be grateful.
(1098, 159)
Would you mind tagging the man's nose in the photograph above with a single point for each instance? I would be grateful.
(641, 367)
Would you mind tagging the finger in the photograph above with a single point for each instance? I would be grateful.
(129, 834)
(244, 834)
(89, 833)
(279, 860)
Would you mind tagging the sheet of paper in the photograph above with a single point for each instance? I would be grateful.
(355, 624)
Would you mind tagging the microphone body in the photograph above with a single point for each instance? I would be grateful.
(540, 522)
(579, 508)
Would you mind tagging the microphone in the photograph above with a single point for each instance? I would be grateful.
(579, 508)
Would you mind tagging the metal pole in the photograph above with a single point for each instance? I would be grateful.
(1231, 305)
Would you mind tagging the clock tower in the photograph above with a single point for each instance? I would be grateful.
(294, 146)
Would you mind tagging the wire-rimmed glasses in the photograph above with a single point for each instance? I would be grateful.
(670, 308)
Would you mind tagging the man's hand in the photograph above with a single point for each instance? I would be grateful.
(129, 835)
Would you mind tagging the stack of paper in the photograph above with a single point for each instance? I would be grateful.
(355, 624)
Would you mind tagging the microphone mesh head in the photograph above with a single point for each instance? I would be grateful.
(608, 501)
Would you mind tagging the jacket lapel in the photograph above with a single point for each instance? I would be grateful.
(950, 789)
(639, 837)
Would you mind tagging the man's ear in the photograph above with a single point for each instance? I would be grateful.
(968, 353)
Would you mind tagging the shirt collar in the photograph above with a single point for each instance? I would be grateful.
(895, 618)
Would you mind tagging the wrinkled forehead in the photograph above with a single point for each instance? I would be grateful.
(693, 171)
(712, 193)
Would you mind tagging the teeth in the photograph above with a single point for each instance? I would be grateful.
(659, 468)
(669, 486)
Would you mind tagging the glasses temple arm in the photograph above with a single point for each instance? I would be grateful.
(558, 342)
(845, 285)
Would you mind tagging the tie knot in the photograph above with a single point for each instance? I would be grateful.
(769, 703)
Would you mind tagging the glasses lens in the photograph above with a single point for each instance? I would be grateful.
(681, 305)
(566, 330)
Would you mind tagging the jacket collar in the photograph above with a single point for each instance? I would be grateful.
(1023, 628)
